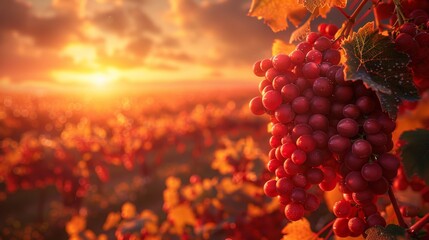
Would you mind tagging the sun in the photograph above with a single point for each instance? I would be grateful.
(100, 79)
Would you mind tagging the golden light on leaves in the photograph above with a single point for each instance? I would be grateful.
(112, 220)
(276, 12)
(128, 210)
(182, 215)
(311, 5)
(280, 46)
(76, 225)
(299, 230)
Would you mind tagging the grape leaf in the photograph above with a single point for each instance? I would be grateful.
(299, 230)
(415, 152)
(276, 12)
(311, 5)
(280, 46)
(390, 232)
(372, 58)
(300, 33)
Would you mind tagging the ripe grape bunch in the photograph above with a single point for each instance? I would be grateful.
(412, 38)
(326, 132)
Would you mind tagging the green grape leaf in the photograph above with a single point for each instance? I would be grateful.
(415, 152)
(395, 230)
(372, 58)
(390, 232)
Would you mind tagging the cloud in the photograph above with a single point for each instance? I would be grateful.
(139, 47)
(125, 19)
(237, 38)
(30, 65)
(31, 42)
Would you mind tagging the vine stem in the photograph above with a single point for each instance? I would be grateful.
(419, 224)
(329, 234)
(343, 12)
(325, 228)
(398, 10)
(352, 19)
(396, 208)
(377, 21)
(356, 12)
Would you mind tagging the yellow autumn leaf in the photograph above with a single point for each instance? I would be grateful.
(299, 230)
(313, 4)
(182, 215)
(173, 182)
(301, 33)
(276, 12)
(112, 220)
(280, 46)
(128, 210)
(76, 225)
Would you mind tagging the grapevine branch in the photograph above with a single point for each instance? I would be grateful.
(343, 12)
(396, 208)
(326, 227)
(376, 18)
(347, 26)
(398, 10)
(419, 224)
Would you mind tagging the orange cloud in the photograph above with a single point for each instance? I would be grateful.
(236, 38)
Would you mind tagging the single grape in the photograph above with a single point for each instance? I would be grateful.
(284, 186)
(290, 92)
(341, 227)
(322, 86)
(300, 105)
(306, 143)
(342, 208)
(339, 144)
(322, 44)
(314, 56)
(361, 148)
(355, 181)
(272, 100)
(356, 225)
(284, 113)
(310, 70)
(256, 106)
(372, 172)
(347, 127)
(270, 188)
(257, 69)
(375, 220)
(294, 211)
(266, 64)
(281, 62)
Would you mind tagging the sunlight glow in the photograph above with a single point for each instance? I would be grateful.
(96, 80)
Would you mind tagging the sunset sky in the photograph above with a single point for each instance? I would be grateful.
(99, 42)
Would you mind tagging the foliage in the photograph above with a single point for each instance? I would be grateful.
(372, 58)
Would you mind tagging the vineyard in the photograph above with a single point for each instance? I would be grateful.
(329, 140)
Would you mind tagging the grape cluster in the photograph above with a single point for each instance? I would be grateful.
(412, 38)
(326, 132)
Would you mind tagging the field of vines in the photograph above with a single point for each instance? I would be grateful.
(329, 140)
